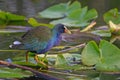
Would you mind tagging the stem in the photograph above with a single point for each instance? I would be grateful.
(39, 74)
(11, 50)
(78, 46)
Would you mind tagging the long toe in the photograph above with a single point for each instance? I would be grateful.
(39, 61)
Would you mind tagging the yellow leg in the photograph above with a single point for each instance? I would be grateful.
(39, 61)
(27, 56)
(44, 57)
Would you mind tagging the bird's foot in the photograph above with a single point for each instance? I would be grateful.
(41, 61)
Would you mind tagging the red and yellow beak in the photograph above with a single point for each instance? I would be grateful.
(66, 30)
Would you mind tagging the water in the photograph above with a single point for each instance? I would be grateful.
(30, 8)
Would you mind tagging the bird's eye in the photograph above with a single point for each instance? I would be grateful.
(65, 27)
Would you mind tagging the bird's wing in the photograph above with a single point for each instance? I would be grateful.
(36, 39)
(42, 33)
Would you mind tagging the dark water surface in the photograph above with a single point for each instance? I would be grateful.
(30, 8)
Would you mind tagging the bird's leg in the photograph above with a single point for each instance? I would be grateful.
(44, 57)
(39, 61)
(27, 56)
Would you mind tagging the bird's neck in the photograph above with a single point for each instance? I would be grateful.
(56, 37)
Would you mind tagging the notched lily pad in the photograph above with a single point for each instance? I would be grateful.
(69, 14)
(105, 57)
(60, 10)
(112, 15)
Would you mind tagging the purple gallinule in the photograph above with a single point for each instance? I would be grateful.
(40, 39)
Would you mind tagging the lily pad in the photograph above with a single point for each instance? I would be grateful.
(77, 18)
(60, 10)
(61, 61)
(70, 14)
(112, 15)
(110, 60)
(35, 23)
(105, 57)
(9, 18)
(13, 73)
(102, 33)
(90, 54)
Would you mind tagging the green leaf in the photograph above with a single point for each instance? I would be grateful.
(78, 14)
(106, 57)
(70, 14)
(60, 10)
(112, 15)
(56, 11)
(91, 14)
(71, 7)
(103, 33)
(2, 15)
(33, 22)
(11, 16)
(110, 60)
(13, 73)
(7, 18)
(90, 54)
(61, 61)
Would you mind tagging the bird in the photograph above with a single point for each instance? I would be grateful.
(39, 40)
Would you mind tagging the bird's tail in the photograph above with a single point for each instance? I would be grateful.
(16, 45)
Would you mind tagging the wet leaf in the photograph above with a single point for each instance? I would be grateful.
(70, 14)
(77, 18)
(103, 33)
(105, 57)
(59, 10)
(112, 15)
(11, 16)
(90, 54)
(7, 18)
(35, 23)
(13, 73)
(110, 60)
(61, 61)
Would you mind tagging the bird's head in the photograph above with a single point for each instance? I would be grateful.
(60, 28)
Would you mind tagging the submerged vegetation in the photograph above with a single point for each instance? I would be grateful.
(87, 48)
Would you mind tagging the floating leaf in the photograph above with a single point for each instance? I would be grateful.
(77, 18)
(13, 73)
(34, 23)
(112, 15)
(60, 10)
(61, 61)
(11, 16)
(105, 57)
(90, 54)
(103, 33)
(110, 60)
(91, 14)
(70, 14)
(11, 19)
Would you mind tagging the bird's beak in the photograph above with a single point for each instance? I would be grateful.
(67, 31)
